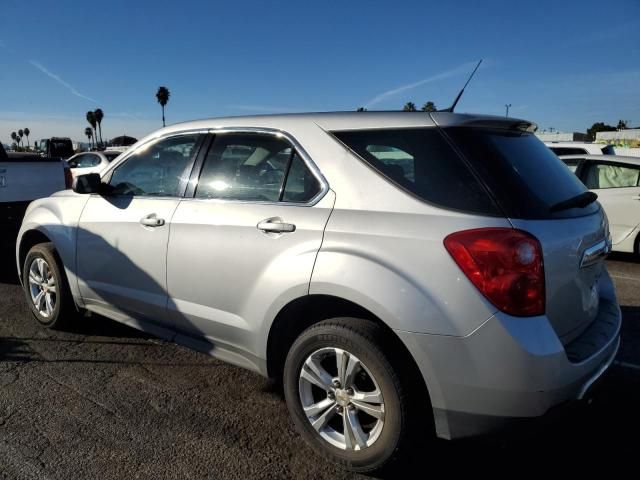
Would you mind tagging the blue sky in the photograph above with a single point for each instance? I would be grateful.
(562, 64)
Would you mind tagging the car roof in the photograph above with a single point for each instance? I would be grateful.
(608, 158)
(347, 121)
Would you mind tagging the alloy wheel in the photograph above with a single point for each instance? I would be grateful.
(341, 399)
(42, 287)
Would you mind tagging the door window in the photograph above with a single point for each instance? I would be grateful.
(610, 175)
(253, 167)
(87, 160)
(160, 169)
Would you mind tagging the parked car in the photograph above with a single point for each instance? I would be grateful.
(25, 177)
(56, 147)
(616, 181)
(387, 267)
(91, 162)
(580, 148)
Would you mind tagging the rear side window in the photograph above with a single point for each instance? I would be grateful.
(609, 175)
(525, 176)
(568, 150)
(423, 163)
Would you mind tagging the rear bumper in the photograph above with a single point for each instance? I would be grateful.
(508, 369)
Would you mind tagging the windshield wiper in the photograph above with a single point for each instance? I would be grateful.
(579, 201)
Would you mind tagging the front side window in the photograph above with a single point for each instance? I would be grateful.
(159, 169)
(254, 167)
(608, 175)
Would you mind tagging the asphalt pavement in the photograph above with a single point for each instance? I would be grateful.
(106, 401)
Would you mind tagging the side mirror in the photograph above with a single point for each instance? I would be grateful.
(89, 183)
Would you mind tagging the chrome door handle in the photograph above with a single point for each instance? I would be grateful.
(152, 221)
(276, 225)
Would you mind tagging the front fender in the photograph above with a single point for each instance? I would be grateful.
(56, 218)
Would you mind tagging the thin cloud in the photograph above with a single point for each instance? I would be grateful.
(460, 69)
(75, 92)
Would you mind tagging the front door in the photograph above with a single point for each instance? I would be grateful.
(617, 186)
(123, 234)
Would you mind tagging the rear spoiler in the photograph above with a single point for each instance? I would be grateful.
(445, 119)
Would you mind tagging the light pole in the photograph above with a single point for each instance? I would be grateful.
(507, 106)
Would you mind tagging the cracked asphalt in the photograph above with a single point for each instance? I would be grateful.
(106, 401)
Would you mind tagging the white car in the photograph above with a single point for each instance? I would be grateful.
(580, 148)
(91, 162)
(616, 180)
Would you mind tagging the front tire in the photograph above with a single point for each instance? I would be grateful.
(46, 288)
(344, 395)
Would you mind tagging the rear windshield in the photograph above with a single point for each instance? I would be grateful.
(525, 177)
(423, 163)
(61, 148)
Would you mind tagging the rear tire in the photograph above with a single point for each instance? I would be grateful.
(360, 411)
(46, 287)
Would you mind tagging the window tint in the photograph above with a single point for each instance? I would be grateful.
(244, 167)
(161, 169)
(608, 175)
(568, 150)
(422, 162)
(301, 184)
(525, 176)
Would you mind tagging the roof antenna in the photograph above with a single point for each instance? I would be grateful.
(455, 102)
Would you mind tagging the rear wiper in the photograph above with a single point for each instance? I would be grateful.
(579, 201)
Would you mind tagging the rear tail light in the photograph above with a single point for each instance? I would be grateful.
(68, 178)
(505, 264)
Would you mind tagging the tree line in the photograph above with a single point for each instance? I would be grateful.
(18, 142)
(411, 107)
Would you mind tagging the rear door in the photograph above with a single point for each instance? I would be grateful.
(248, 237)
(618, 188)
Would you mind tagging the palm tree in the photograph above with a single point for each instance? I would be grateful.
(91, 118)
(622, 125)
(14, 137)
(89, 134)
(361, 109)
(99, 114)
(21, 134)
(428, 107)
(163, 95)
(26, 134)
(409, 107)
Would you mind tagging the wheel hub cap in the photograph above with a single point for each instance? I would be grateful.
(42, 287)
(341, 399)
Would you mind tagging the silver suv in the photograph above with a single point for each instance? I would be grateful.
(387, 267)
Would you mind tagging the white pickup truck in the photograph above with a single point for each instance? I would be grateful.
(25, 177)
